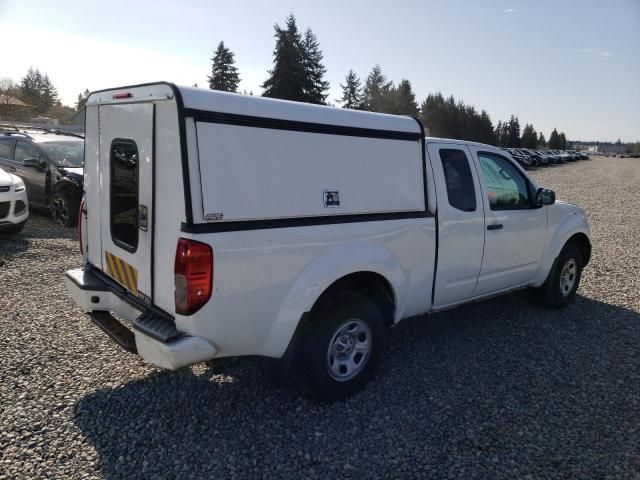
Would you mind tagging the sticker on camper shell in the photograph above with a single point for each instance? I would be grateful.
(213, 217)
(331, 198)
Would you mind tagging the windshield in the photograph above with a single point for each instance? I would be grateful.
(65, 154)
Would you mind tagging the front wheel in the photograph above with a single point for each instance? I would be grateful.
(560, 287)
(343, 345)
(64, 209)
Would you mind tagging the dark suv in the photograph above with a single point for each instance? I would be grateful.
(50, 164)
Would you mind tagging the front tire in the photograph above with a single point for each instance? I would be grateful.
(64, 209)
(343, 345)
(560, 287)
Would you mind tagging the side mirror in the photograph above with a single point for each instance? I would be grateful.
(544, 196)
(34, 162)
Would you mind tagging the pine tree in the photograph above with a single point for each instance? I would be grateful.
(432, 115)
(351, 92)
(376, 90)
(529, 137)
(402, 100)
(554, 140)
(287, 78)
(486, 129)
(49, 95)
(499, 139)
(542, 142)
(513, 135)
(224, 74)
(563, 141)
(82, 99)
(316, 87)
(502, 134)
(38, 90)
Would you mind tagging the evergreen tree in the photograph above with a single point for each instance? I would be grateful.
(402, 100)
(224, 74)
(513, 135)
(38, 90)
(82, 99)
(563, 141)
(542, 142)
(315, 86)
(554, 140)
(502, 134)
(287, 78)
(432, 115)
(351, 92)
(529, 137)
(376, 90)
(499, 139)
(487, 134)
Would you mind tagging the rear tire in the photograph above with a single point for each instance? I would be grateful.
(64, 209)
(560, 288)
(343, 345)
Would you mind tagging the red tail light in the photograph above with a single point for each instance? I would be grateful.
(80, 225)
(193, 271)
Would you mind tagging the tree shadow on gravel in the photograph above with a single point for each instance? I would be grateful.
(495, 389)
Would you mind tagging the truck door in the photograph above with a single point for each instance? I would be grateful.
(460, 223)
(126, 192)
(516, 229)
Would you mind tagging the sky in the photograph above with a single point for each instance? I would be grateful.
(570, 64)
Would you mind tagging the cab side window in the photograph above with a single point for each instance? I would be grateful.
(25, 150)
(458, 178)
(507, 188)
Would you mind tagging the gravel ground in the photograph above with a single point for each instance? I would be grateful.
(500, 389)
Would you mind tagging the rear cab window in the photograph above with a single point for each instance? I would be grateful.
(458, 179)
(124, 187)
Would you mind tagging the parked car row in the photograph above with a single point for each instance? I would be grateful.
(528, 157)
(49, 164)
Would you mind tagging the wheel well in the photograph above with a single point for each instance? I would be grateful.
(581, 241)
(369, 284)
(65, 187)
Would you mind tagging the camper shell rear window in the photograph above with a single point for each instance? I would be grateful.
(124, 193)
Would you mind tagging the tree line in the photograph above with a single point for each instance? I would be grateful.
(298, 74)
(35, 89)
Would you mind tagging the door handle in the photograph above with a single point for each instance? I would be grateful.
(143, 218)
(494, 226)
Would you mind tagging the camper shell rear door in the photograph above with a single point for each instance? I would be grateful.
(126, 195)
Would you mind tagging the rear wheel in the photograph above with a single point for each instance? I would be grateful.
(560, 287)
(343, 345)
(64, 209)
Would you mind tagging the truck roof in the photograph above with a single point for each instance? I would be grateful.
(215, 101)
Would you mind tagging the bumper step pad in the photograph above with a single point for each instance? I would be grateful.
(157, 327)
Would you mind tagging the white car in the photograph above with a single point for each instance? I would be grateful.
(217, 224)
(14, 206)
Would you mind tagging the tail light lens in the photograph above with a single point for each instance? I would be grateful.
(80, 225)
(193, 271)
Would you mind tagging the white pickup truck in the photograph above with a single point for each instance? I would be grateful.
(217, 224)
